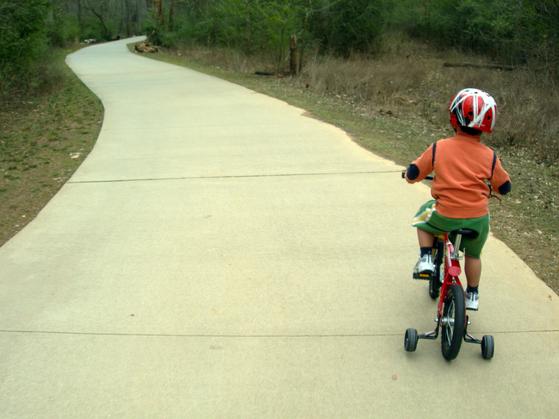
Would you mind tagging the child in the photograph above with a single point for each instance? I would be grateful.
(466, 172)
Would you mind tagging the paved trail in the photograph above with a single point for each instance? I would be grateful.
(219, 254)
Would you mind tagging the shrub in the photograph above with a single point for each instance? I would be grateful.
(348, 26)
(23, 41)
(514, 32)
(62, 29)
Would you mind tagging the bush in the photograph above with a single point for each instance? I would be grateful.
(62, 30)
(168, 39)
(23, 41)
(514, 32)
(264, 27)
(348, 26)
(410, 79)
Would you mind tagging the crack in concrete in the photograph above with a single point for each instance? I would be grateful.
(233, 176)
(254, 336)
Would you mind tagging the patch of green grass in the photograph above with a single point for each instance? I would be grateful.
(36, 137)
(527, 220)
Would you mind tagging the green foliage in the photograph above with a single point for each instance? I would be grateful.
(346, 26)
(522, 31)
(251, 26)
(22, 41)
(153, 30)
(265, 26)
(516, 32)
(62, 28)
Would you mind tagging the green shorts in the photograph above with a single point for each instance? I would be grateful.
(428, 220)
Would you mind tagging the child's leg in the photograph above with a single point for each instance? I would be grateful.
(425, 239)
(473, 249)
(425, 264)
(473, 271)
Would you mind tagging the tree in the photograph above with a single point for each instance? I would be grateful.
(158, 8)
(345, 26)
(23, 40)
(171, 20)
(100, 9)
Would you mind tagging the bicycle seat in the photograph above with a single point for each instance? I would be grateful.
(466, 233)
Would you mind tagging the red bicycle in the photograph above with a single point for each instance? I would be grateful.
(451, 318)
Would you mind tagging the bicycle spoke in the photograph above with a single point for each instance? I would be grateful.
(449, 323)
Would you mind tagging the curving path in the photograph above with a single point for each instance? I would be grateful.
(219, 254)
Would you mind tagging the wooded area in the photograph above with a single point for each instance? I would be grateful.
(29, 28)
(511, 32)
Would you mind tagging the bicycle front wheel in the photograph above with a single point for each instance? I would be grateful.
(453, 322)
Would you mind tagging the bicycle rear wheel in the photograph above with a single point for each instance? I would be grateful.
(453, 322)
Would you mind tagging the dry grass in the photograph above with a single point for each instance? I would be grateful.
(222, 58)
(411, 79)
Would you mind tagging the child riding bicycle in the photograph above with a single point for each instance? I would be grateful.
(466, 173)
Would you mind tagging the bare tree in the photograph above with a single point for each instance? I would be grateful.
(99, 10)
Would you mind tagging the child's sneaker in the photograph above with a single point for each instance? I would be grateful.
(424, 268)
(472, 300)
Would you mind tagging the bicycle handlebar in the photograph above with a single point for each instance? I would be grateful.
(426, 177)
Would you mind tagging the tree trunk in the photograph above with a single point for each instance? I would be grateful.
(158, 4)
(127, 17)
(171, 22)
(293, 56)
(80, 15)
(122, 20)
(136, 17)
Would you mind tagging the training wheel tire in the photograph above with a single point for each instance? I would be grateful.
(487, 347)
(410, 340)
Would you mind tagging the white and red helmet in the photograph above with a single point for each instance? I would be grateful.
(473, 108)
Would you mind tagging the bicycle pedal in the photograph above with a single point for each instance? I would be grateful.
(422, 276)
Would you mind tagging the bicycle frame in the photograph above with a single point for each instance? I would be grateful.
(452, 270)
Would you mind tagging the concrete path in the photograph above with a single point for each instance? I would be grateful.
(220, 255)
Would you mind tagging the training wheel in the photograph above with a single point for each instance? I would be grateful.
(487, 347)
(410, 340)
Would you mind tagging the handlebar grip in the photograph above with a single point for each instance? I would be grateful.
(426, 177)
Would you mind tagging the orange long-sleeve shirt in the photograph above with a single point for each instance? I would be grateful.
(462, 164)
